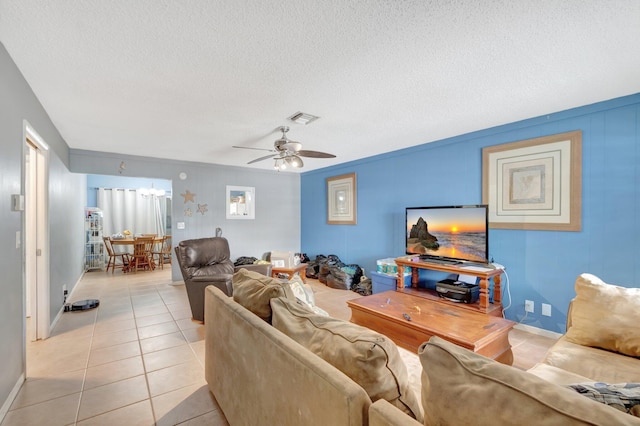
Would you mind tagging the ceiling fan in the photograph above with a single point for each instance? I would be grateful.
(287, 152)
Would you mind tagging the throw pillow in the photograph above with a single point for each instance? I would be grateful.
(304, 293)
(254, 291)
(622, 396)
(605, 316)
(368, 358)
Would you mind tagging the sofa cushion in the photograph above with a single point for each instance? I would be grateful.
(254, 291)
(461, 387)
(368, 358)
(621, 396)
(598, 365)
(605, 316)
(556, 375)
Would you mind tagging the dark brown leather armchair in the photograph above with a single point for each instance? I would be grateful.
(205, 261)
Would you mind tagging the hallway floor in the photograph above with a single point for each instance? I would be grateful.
(138, 359)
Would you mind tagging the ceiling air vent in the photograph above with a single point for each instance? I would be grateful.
(302, 118)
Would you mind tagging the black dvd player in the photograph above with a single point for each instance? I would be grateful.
(458, 291)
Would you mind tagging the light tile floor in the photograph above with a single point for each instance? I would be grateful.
(138, 359)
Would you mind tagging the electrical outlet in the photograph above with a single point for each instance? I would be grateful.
(528, 306)
(546, 309)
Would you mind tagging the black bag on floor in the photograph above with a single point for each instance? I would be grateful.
(363, 288)
(338, 278)
(312, 271)
(354, 271)
(333, 260)
(336, 282)
(244, 260)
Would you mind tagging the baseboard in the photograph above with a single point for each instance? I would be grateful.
(539, 331)
(12, 395)
(61, 311)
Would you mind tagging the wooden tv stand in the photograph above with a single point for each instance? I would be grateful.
(482, 305)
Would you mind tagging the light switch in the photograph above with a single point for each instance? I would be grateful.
(17, 202)
(18, 239)
(180, 225)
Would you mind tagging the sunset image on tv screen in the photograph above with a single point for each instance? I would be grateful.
(458, 233)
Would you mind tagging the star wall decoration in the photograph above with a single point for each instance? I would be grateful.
(189, 196)
(188, 212)
(202, 208)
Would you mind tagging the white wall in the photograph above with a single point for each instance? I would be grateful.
(277, 222)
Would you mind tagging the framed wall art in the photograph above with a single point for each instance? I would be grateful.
(241, 202)
(341, 200)
(534, 184)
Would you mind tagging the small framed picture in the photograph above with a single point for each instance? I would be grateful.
(341, 200)
(241, 202)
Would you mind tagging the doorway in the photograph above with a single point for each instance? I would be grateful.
(36, 236)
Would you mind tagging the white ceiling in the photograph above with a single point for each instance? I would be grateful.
(188, 79)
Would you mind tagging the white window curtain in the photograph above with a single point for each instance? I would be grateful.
(129, 209)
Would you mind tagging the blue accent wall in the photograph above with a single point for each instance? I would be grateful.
(541, 265)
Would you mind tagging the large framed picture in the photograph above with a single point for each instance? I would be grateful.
(535, 183)
(341, 200)
(241, 202)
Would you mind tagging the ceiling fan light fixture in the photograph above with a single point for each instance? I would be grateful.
(280, 163)
(295, 161)
(288, 153)
(303, 118)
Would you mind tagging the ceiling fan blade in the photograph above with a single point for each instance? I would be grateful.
(262, 158)
(314, 154)
(257, 149)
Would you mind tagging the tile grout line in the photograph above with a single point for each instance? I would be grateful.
(86, 366)
(144, 364)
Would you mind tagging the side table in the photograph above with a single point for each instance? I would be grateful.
(301, 269)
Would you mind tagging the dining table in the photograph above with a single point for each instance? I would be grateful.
(129, 241)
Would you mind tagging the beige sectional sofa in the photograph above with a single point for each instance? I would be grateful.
(602, 344)
(260, 375)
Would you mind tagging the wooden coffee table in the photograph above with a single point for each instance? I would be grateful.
(384, 312)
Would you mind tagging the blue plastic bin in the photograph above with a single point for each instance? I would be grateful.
(385, 282)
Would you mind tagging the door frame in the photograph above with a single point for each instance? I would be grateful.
(41, 197)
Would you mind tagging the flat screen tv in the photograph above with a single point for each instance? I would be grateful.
(449, 233)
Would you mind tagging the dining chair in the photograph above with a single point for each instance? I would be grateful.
(163, 251)
(142, 257)
(113, 257)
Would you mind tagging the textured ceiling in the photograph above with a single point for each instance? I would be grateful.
(189, 79)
